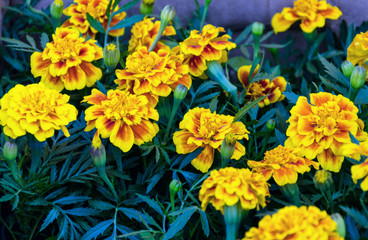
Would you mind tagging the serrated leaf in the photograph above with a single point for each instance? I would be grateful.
(204, 222)
(151, 203)
(97, 230)
(352, 230)
(7, 197)
(71, 200)
(127, 22)
(179, 223)
(154, 180)
(334, 72)
(100, 205)
(206, 97)
(126, 7)
(31, 41)
(82, 211)
(246, 108)
(44, 40)
(53, 214)
(134, 214)
(95, 24)
(358, 217)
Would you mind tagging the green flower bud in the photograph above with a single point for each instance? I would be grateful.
(228, 147)
(340, 229)
(168, 13)
(174, 187)
(257, 28)
(180, 92)
(10, 151)
(111, 56)
(145, 8)
(291, 192)
(56, 9)
(208, 2)
(271, 124)
(323, 181)
(98, 151)
(357, 78)
(347, 68)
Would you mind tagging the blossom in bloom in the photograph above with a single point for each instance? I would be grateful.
(97, 9)
(153, 74)
(144, 33)
(262, 87)
(283, 164)
(229, 186)
(295, 223)
(37, 110)
(358, 50)
(312, 13)
(66, 61)
(122, 117)
(203, 129)
(321, 128)
(205, 46)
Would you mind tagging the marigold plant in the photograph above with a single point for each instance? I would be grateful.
(321, 128)
(153, 74)
(78, 10)
(203, 129)
(312, 13)
(228, 186)
(296, 223)
(66, 61)
(37, 110)
(283, 164)
(358, 50)
(122, 117)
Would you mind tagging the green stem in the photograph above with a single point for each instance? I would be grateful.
(36, 152)
(39, 12)
(158, 36)
(256, 46)
(102, 172)
(172, 200)
(353, 93)
(114, 232)
(14, 170)
(172, 116)
(204, 15)
(265, 142)
(232, 216)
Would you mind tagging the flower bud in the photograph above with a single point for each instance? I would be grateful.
(10, 151)
(257, 28)
(208, 2)
(347, 68)
(180, 92)
(357, 78)
(111, 56)
(323, 181)
(228, 147)
(291, 192)
(98, 151)
(174, 187)
(271, 124)
(168, 13)
(56, 9)
(146, 7)
(340, 229)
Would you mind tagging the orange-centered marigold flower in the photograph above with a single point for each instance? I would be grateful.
(203, 129)
(312, 13)
(37, 110)
(358, 50)
(295, 223)
(153, 74)
(97, 9)
(145, 31)
(66, 61)
(206, 46)
(228, 186)
(321, 128)
(262, 88)
(122, 117)
(283, 164)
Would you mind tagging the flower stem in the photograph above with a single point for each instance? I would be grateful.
(175, 107)
(36, 152)
(353, 93)
(233, 216)
(204, 15)
(102, 172)
(158, 36)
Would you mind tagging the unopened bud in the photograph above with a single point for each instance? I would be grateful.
(347, 68)
(340, 229)
(228, 147)
(168, 13)
(357, 78)
(291, 192)
(146, 7)
(98, 151)
(257, 28)
(56, 9)
(323, 181)
(174, 187)
(180, 92)
(271, 124)
(111, 56)
(10, 151)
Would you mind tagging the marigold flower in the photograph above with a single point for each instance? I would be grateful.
(295, 223)
(283, 164)
(122, 117)
(144, 33)
(262, 88)
(229, 185)
(321, 128)
(358, 50)
(66, 61)
(312, 13)
(206, 46)
(153, 74)
(37, 110)
(97, 9)
(203, 129)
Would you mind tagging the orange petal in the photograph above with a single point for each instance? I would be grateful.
(96, 97)
(39, 66)
(280, 24)
(330, 161)
(144, 132)
(180, 139)
(52, 82)
(75, 78)
(92, 73)
(239, 151)
(122, 136)
(197, 65)
(284, 176)
(204, 160)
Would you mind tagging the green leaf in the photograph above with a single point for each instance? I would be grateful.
(53, 214)
(82, 211)
(127, 22)
(126, 7)
(243, 35)
(152, 204)
(274, 45)
(247, 107)
(334, 72)
(95, 24)
(180, 222)
(154, 180)
(97, 230)
(71, 200)
(7, 197)
(44, 40)
(134, 214)
(237, 62)
(292, 97)
(358, 217)
(204, 222)
(101, 205)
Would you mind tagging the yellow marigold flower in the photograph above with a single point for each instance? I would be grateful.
(37, 110)
(358, 50)
(144, 33)
(206, 46)
(321, 128)
(312, 13)
(295, 223)
(122, 117)
(66, 61)
(153, 74)
(203, 129)
(97, 9)
(262, 88)
(283, 164)
(228, 186)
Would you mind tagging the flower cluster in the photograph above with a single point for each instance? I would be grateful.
(295, 223)
(321, 128)
(203, 129)
(97, 9)
(66, 61)
(312, 13)
(229, 186)
(358, 50)
(122, 117)
(145, 31)
(37, 110)
(153, 74)
(283, 164)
